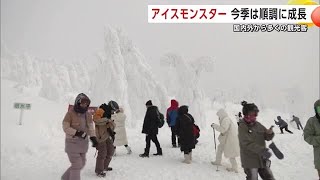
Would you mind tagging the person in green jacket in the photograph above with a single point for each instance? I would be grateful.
(253, 152)
(312, 134)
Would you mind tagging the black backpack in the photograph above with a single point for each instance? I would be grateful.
(160, 119)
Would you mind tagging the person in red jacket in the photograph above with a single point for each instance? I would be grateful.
(171, 116)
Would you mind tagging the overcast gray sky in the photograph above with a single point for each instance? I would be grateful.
(73, 29)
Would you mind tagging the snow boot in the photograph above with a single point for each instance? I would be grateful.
(144, 155)
(129, 150)
(159, 152)
(187, 158)
(101, 174)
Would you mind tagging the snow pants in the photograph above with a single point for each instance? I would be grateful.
(286, 128)
(105, 153)
(78, 161)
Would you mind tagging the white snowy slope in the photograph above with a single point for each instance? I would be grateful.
(35, 150)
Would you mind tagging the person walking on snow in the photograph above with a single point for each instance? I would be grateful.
(105, 135)
(228, 138)
(172, 114)
(77, 125)
(253, 152)
(150, 128)
(121, 135)
(282, 125)
(312, 134)
(184, 125)
(297, 120)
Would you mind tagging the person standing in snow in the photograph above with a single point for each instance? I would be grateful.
(121, 135)
(172, 114)
(312, 135)
(297, 120)
(105, 135)
(184, 125)
(253, 152)
(77, 125)
(282, 125)
(228, 138)
(150, 128)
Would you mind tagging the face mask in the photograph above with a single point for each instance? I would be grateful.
(251, 117)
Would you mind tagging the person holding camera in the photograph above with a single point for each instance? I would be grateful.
(105, 136)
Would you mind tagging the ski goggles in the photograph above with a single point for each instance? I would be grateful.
(318, 109)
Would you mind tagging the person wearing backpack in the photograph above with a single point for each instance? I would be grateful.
(184, 125)
(228, 138)
(150, 128)
(78, 125)
(105, 135)
(172, 114)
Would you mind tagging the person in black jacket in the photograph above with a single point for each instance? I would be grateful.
(184, 127)
(150, 128)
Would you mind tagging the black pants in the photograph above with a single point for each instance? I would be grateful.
(174, 136)
(299, 126)
(286, 128)
(187, 151)
(154, 139)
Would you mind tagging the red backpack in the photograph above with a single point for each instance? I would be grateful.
(196, 130)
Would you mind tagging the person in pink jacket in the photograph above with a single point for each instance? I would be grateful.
(78, 125)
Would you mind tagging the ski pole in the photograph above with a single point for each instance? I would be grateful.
(215, 146)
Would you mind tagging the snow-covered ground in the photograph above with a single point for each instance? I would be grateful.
(35, 150)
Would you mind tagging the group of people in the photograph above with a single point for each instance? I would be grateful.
(181, 124)
(106, 130)
(101, 127)
(252, 135)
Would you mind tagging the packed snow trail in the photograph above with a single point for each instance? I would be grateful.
(35, 150)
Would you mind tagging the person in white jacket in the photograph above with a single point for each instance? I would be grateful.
(228, 138)
(121, 135)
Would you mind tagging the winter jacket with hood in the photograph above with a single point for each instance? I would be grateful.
(184, 127)
(312, 135)
(150, 123)
(228, 135)
(252, 139)
(172, 113)
(76, 121)
(121, 134)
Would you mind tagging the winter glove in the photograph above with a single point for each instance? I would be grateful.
(266, 154)
(81, 134)
(94, 141)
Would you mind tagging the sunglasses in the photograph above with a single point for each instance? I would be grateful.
(318, 109)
